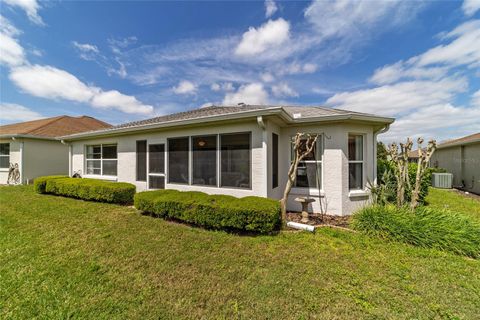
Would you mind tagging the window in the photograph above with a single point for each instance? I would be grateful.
(142, 160)
(102, 159)
(355, 162)
(204, 157)
(309, 171)
(235, 160)
(274, 160)
(4, 155)
(156, 166)
(178, 160)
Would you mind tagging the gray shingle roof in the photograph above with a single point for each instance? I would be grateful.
(306, 112)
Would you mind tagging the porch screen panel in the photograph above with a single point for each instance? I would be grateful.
(204, 160)
(178, 160)
(235, 160)
(142, 160)
(156, 158)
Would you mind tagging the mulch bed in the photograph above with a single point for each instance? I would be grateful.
(317, 219)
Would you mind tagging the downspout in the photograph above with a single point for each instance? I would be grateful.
(20, 165)
(262, 125)
(69, 156)
(375, 134)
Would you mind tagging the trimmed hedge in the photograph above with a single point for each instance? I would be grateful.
(40, 183)
(88, 189)
(254, 214)
(423, 227)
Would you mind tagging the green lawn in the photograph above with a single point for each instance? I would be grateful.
(452, 200)
(65, 258)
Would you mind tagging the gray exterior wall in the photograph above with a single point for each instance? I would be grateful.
(463, 161)
(334, 195)
(36, 158)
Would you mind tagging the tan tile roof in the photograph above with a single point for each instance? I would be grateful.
(462, 140)
(54, 127)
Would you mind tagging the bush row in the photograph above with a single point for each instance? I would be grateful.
(424, 227)
(254, 214)
(86, 189)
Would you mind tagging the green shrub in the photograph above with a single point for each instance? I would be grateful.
(40, 183)
(89, 189)
(424, 227)
(255, 214)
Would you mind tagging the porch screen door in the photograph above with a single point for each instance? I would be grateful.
(156, 166)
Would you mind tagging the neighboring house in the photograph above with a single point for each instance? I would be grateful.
(413, 156)
(32, 146)
(461, 157)
(239, 150)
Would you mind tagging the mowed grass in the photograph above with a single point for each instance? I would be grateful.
(65, 258)
(454, 201)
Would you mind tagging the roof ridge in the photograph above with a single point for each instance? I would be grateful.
(49, 122)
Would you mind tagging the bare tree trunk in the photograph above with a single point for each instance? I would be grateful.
(401, 168)
(299, 155)
(423, 160)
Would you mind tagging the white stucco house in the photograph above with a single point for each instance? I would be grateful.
(242, 150)
(33, 148)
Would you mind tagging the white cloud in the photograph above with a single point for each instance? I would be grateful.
(270, 8)
(206, 105)
(85, 47)
(400, 70)
(14, 112)
(12, 54)
(225, 86)
(185, 87)
(464, 50)
(283, 90)
(390, 100)
(52, 83)
(268, 36)
(469, 7)
(7, 28)
(296, 68)
(30, 7)
(267, 77)
(354, 18)
(253, 93)
(437, 121)
(476, 99)
(115, 100)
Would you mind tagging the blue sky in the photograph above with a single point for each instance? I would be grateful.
(120, 61)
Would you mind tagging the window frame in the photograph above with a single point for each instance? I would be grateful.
(6, 156)
(101, 159)
(320, 187)
(363, 135)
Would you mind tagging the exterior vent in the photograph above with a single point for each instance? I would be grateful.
(442, 180)
(297, 115)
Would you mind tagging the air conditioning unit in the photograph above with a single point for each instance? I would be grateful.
(442, 180)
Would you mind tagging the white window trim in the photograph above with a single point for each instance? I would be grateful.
(6, 156)
(362, 191)
(101, 175)
(310, 191)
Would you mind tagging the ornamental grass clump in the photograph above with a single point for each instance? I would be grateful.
(423, 227)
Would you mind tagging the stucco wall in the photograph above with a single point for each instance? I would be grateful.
(334, 196)
(463, 162)
(15, 157)
(43, 158)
